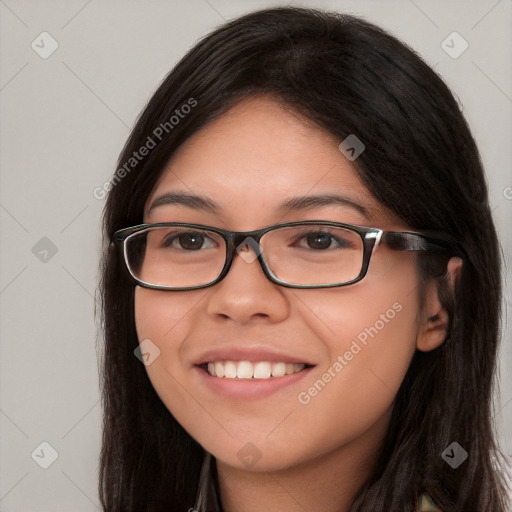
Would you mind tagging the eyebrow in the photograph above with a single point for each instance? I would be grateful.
(292, 204)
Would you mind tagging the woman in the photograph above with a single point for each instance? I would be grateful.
(302, 255)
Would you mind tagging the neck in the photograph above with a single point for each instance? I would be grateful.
(327, 483)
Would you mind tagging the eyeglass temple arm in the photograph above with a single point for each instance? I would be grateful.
(404, 241)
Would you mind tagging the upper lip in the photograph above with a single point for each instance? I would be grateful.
(252, 354)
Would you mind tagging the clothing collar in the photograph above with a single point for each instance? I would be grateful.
(207, 499)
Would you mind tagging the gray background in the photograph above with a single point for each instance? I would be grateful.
(64, 120)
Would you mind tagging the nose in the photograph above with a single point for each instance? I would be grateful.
(246, 294)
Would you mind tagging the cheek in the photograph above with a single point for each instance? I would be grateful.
(372, 329)
(166, 319)
(164, 316)
(370, 332)
(379, 313)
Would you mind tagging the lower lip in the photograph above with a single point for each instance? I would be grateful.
(250, 389)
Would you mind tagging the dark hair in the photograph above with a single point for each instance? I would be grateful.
(347, 76)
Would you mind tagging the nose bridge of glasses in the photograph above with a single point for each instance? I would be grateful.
(246, 245)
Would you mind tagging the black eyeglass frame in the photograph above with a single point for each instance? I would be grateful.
(371, 237)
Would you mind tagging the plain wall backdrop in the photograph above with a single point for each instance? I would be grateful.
(68, 101)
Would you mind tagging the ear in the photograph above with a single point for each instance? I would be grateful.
(434, 319)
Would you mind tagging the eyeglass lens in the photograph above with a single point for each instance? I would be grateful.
(180, 256)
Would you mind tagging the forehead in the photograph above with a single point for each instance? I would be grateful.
(255, 155)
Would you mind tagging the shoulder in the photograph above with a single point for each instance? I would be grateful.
(425, 504)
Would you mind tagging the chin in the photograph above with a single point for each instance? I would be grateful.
(257, 458)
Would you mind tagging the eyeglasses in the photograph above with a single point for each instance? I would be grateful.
(303, 254)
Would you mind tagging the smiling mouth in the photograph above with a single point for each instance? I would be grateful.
(252, 370)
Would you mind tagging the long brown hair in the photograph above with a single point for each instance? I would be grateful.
(348, 77)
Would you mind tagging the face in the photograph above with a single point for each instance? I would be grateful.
(357, 340)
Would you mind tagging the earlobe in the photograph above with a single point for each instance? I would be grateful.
(434, 319)
(433, 330)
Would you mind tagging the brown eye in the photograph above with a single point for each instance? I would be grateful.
(322, 240)
(191, 241)
(319, 240)
(188, 241)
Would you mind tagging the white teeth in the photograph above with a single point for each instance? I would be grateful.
(230, 370)
(290, 368)
(278, 369)
(262, 370)
(244, 370)
(248, 370)
(219, 369)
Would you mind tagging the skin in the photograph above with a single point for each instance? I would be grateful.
(314, 456)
